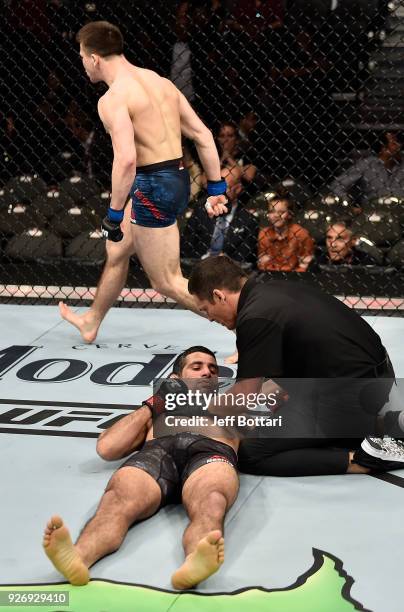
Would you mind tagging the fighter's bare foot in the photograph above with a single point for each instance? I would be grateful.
(87, 323)
(60, 549)
(202, 563)
(232, 359)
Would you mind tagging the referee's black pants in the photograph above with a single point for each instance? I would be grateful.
(321, 428)
(295, 456)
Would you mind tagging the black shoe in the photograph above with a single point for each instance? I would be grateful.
(380, 454)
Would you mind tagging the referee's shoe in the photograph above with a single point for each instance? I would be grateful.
(380, 454)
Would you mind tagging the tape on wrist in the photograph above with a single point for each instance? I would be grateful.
(115, 216)
(216, 188)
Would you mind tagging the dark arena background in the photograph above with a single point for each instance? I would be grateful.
(305, 99)
(302, 95)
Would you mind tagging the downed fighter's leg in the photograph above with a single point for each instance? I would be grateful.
(131, 495)
(208, 494)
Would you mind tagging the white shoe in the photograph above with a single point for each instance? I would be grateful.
(388, 449)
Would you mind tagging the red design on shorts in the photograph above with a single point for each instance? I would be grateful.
(157, 214)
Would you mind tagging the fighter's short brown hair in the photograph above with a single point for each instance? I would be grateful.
(101, 37)
(212, 273)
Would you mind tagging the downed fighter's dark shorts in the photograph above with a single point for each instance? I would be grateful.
(170, 460)
(160, 193)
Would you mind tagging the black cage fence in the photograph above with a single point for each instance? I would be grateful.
(304, 97)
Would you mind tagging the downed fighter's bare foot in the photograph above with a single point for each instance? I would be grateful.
(87, 323)
(60, 549)
(231, 359)
(202, 563)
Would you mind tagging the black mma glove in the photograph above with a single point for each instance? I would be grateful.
(111, 225)
(157, 402)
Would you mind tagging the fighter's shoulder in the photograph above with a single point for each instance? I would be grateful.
(111, 97)
(114, 97)
(147, 73)
(158, 80)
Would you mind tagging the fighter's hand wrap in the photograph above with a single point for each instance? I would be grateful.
(111, 225)
(157, 402)
(217, 188)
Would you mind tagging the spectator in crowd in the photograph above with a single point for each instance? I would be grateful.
(340, 247)
(376, 175)
(283, 246)
(181, 66)
(231, 153)
(234, 234)
(246, 127)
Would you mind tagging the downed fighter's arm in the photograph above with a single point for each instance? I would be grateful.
(126, 435)
(114, 114)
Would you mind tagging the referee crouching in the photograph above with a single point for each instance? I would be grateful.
(331, 364)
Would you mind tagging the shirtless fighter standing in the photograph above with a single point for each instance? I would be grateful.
(145, 115)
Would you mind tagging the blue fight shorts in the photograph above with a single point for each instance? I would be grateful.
(159, 193)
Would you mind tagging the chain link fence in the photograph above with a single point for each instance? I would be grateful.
(305, 98)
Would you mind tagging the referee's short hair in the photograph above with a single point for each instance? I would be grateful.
(212, 273)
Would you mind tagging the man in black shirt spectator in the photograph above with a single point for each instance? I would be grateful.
(234, 234)
(330, 362)
(340, 242)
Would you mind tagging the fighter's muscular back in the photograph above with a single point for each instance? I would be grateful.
(153, 104)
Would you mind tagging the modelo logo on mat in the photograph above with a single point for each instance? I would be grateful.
(74, 417)
(65, 369)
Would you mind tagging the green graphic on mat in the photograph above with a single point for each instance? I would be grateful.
(325, 586)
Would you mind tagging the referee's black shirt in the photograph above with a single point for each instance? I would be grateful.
(292, 330)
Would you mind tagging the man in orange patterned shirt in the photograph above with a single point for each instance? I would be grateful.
(284, 246)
